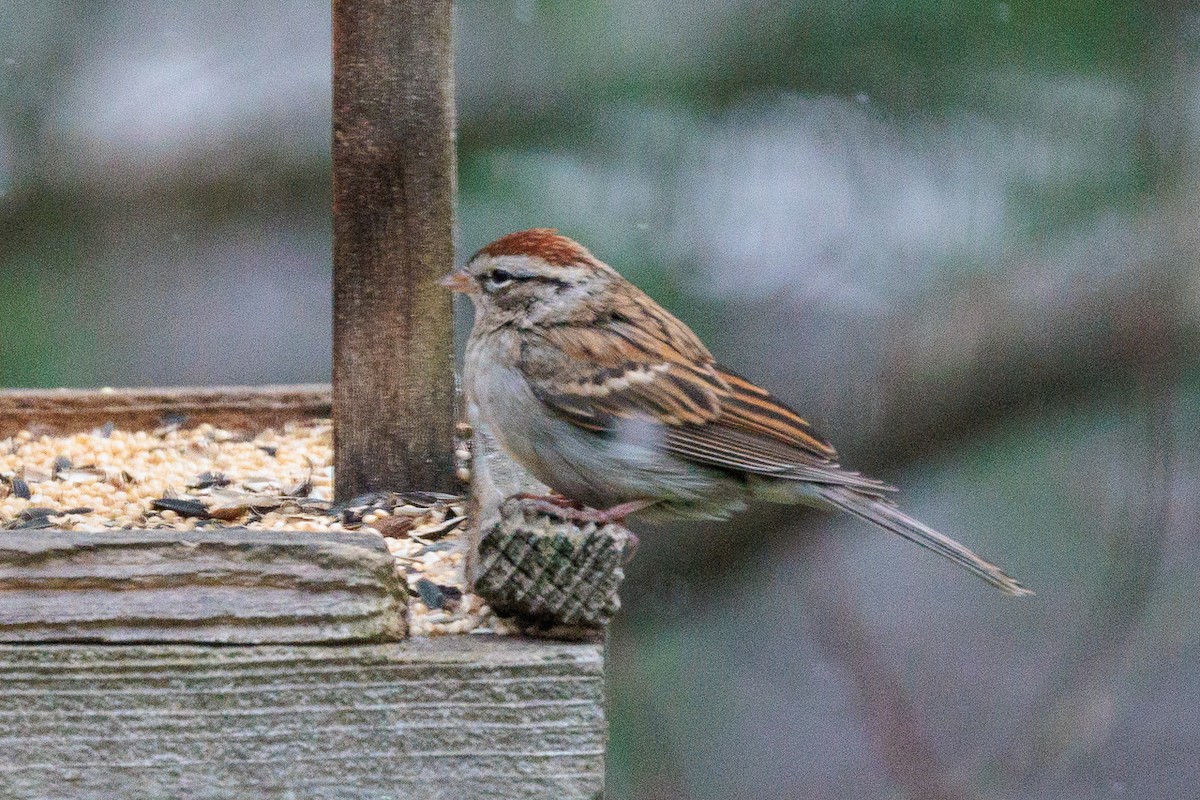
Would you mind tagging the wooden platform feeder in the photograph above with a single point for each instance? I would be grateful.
(252, 664)
(234, 663)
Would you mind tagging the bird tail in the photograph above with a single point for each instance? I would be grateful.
(884, 514)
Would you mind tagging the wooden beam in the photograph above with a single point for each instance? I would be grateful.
(456, 717)
(393, 190)
(221, 586)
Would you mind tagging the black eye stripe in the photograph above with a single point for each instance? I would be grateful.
(502, 277)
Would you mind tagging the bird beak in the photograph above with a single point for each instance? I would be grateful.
(457, 281)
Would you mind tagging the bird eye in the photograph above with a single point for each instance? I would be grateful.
(498, 278)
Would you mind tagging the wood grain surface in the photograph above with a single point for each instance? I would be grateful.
(393, 224)
(227, 586)
(466, 717)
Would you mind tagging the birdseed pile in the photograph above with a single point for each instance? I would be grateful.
(205, 477)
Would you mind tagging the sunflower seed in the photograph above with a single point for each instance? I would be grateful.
(427, 499)
(82, 475)
(34, 475)
(207, 480)
(184, 508)
(437, 531)
(393, 527)
(32, 518)
(431, 594)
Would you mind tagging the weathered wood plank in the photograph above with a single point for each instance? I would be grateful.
(393, 223)
(222, 585)
(464, 717)
(231, 407)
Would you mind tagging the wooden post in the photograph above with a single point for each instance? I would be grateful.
(393, 195)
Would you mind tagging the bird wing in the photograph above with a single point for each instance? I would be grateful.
(757, 433)
(613, 369)
(608, 370)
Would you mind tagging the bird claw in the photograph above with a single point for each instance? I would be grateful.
(573, 511)
(555, 500)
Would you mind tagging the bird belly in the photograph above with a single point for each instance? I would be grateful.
(599, 469)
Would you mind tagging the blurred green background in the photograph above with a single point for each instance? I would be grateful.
(961, 237)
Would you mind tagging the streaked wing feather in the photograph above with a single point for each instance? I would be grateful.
(613, 369)
(730, 448)
(753, 409)
(759, 434)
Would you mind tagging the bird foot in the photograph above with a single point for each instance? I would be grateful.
(556, 500)
(564, 508)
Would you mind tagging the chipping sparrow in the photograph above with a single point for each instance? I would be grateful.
(611, 401)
